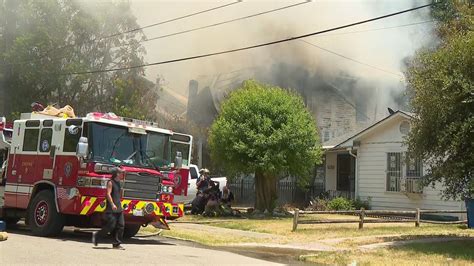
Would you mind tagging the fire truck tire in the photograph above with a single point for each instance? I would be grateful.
(131, 230)
(44, 220)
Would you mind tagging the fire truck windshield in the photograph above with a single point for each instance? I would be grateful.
(115, 144)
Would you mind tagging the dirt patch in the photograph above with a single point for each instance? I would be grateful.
(204, 229)
(406, 242)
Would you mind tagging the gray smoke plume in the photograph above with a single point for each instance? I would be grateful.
(383, 44)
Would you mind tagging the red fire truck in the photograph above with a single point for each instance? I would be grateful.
(55, 171)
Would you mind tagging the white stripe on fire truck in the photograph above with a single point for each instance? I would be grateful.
(23, 189)
(10, 188)
(13, 187)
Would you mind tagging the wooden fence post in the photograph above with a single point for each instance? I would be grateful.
(295, 219)
(361, 217)
(417, 222)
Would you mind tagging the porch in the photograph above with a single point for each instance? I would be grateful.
(340, 169)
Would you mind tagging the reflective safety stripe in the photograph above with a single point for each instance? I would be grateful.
(101, 206)
(140, 205)
(88, 205)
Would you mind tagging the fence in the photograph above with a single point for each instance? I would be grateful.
(288, 192)
(401, 217)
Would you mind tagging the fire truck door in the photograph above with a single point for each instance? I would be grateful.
(182, 143)
(65, 137)
(46, 151)
(25, 162)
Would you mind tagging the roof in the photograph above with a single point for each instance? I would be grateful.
(334, 141)
(372, 127)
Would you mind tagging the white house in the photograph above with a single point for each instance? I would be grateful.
(374, 163)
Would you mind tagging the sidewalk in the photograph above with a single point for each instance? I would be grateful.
(405, 242)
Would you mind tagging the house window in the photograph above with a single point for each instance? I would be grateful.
(403, 174)
(394, 171)
(413, 166)
(326, 136)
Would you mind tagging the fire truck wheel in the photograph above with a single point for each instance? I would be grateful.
(44, 220)
(131, 230)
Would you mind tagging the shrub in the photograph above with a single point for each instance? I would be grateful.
(318, 205)
(340, 204)
(358, 203)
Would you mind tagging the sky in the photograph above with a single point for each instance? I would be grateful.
(384, 49)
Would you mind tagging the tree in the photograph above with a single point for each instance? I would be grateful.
(56, 37)
(442, 84)
(266, 131)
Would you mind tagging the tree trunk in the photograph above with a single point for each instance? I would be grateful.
(266, 191)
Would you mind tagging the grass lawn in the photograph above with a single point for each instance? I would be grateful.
(446, 253)
(344, 236)
(308, 233)
(281, 228)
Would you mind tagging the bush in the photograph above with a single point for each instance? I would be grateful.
(358, 203)
(340, 204)
(318, 205)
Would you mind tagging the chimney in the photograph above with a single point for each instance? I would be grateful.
(192, 97)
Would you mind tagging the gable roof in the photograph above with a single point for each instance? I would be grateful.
(374, 126)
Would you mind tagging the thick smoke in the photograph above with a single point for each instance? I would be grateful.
(295, 64)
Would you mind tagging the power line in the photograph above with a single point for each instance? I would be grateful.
(252, 46)
(353, 60)
(226, 22)
(98, 39)
(378, 29)
(172, 20)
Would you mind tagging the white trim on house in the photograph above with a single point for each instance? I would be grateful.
(371, 147)
(349, 142)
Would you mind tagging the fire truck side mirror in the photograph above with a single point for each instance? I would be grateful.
(82, 147)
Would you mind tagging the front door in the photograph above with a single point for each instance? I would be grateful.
(346, 173)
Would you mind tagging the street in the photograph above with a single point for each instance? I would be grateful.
(76, 248)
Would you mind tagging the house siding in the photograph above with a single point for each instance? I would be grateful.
(371, 173)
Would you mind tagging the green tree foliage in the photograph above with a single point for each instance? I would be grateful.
(53, 37)
(442, 83)
(267, 131)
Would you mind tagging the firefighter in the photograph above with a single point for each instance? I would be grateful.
(114, 222)
(204, 181)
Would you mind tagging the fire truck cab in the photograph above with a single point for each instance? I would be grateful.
(56, 171)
